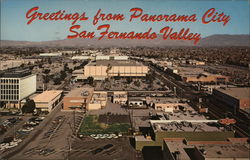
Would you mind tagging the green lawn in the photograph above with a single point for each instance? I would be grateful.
(90, 125)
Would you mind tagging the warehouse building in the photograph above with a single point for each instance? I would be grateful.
(16, 85)
(102, 69)
(47, 100)
(234, 98)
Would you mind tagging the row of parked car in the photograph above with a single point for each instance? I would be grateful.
(40, 151)
(9, 123)
(9, 144)
(29, 126)
(102, 136)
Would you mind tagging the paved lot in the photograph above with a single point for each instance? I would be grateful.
(120, 150)
(14, 127)
(54, 136)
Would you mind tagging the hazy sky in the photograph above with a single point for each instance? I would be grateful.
(14, 23)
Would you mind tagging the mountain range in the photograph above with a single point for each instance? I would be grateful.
(210, 41)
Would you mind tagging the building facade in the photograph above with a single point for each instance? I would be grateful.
(47, 100)
(102, 69)
(235, 98)
(16, 86)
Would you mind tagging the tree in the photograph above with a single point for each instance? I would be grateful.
(129, 80)
(57, 81)
(46, 71)
(29, 106)
(63, 75)
(31, 67)
(90, 80)
(66, 68)
(49, 61)
(40, 65)
(137, 83)
(46, 79)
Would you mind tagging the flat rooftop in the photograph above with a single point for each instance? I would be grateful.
(186, 126)
(187, 113)
(193, 71)
(164, 100)
(224, 150)
(99, 95)
(236, 92)
(47, 96)
(80, 92)
(136, 99)
(220, 149)
(12, 73)
(175, 146)
(114, 63)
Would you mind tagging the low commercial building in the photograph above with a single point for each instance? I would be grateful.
(136, 102)
(192, 130)
(7, 64)
(50, 54)
(98, 100)
(102, 69)
(230, 149)
(120, 97)
(47, 100)
(16, 85)
(196, 75)
(78, 98)
(166, 104)
(234, 98)
(195, 62)
(78, 74)
(82, 58)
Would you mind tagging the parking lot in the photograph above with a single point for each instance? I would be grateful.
(14, 129)
(103, 149)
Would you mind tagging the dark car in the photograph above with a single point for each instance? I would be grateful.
(98, 150)
(107, 146)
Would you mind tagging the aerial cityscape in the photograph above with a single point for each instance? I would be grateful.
(89, 99)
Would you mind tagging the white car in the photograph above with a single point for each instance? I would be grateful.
(110, 136)
(106, 135)
(92, 135)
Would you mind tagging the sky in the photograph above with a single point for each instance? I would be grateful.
(14, 22)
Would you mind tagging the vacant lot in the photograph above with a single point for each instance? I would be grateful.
(92, 125)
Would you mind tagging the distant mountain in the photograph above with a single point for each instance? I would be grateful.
(226, 40)
(210, 41)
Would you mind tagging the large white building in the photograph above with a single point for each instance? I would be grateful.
(50, 54)
(16, 86)
(109, 68)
